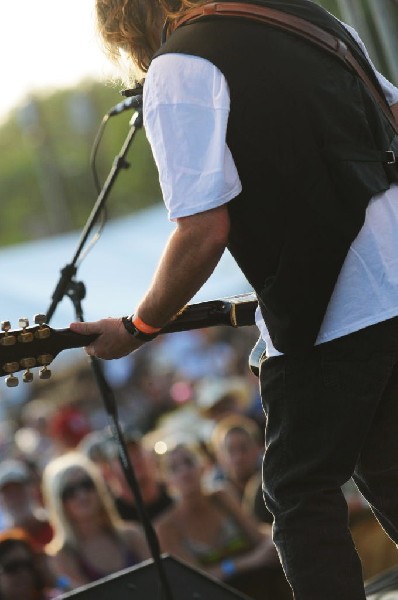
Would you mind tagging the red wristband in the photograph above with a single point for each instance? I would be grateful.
(141, 326)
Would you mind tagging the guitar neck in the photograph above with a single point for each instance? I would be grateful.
(235, 311)
(39, 345)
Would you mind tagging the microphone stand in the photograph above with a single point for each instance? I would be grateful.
(75, 290)
(120, 162)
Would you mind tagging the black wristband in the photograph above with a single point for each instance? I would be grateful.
(132, 329)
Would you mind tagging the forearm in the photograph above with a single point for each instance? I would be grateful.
(192, 253)
(190, 257)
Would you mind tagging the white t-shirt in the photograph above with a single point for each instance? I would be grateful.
(186, 109)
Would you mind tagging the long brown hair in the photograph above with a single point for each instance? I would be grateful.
(132, 28)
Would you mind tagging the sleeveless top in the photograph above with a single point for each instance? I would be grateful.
(231, 541)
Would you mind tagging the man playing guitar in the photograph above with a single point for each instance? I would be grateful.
(277, 149)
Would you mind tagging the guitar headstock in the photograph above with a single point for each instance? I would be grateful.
(36, 346)
(21, 349)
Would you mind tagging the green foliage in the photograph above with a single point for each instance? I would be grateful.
(46, 181)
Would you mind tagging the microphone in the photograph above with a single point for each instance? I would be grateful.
(134, 91)
(132, 102)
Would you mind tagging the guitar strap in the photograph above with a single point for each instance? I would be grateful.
(293, 24)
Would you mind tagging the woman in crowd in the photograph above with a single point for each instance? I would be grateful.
(210, 531)
(25, 572)
(238, 445)
(90, 541)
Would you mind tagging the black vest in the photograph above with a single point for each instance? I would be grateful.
(300, 126)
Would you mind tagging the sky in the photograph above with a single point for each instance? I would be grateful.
(46, 44)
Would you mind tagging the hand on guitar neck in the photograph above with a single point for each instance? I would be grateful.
(112, 339)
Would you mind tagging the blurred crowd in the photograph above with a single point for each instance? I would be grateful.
(193, 427)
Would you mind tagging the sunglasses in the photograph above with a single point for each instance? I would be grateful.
(70, 490)
(14, 566)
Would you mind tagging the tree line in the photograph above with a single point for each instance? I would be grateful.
(46, 179)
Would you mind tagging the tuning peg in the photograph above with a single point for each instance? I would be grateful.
(27, 377)
(45, 373)
(45, 359)
(7, 339)
(28, 363)
(11, 380)
(43, 331)
(9, 368)
(24, 336)
(40, 319)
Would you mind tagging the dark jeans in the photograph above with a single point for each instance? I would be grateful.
(331, 414)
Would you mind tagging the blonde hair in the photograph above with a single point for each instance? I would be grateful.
(131, 29)
(54, 479)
